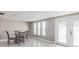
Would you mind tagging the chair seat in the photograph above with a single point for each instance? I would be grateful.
(25, 36)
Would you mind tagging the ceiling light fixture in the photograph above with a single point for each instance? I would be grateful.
(1, 13)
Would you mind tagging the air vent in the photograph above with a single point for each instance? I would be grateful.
(1, 13)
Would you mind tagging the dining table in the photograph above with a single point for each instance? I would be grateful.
(21, 36)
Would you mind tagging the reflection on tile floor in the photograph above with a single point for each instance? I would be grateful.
(30, 43)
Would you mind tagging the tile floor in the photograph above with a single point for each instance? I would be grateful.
(30, 43)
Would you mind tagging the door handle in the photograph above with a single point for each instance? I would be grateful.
(70, 33)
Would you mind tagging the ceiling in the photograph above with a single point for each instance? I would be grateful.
(30, 16)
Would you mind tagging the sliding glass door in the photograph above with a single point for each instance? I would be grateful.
(62, 32)
(67, 31)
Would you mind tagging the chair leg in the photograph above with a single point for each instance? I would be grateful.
(23, 40)
(8, 42)
(27, 38)
(15, 41)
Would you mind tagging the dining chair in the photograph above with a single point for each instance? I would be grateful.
(17, 34)
(9, 38)
(22, 36)
(26, 35)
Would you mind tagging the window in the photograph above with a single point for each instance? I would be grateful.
(43, 28)
(39, 27)
(35, 30)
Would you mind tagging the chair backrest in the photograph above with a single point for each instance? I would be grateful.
(22, 34)
(7, 34)
(17, 34)
(26, 33)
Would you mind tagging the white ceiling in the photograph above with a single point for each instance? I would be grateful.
(32, 15)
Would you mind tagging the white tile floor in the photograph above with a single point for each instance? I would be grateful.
(30, 43)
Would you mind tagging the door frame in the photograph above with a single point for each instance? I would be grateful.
(68, 21)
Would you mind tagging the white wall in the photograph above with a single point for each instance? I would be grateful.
(12, 26)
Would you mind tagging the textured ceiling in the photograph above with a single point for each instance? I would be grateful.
(32, 15)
